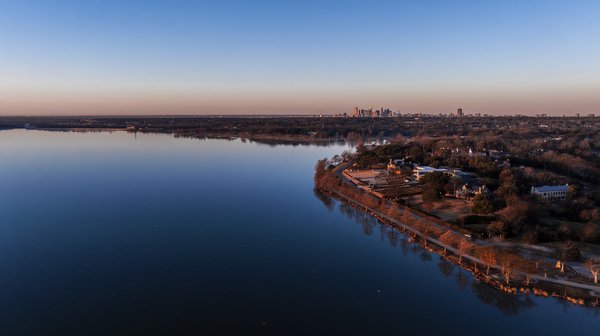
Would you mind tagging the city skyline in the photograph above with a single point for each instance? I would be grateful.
(310, 57)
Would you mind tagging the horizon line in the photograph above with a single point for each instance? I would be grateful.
(317, 115)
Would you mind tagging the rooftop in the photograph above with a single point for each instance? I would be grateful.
(428, 169)
(551, 188)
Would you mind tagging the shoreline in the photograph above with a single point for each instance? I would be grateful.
(264, 138)
(518, 281)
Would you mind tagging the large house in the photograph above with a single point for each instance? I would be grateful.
(467, 192)
(421, 171)
(551, 193)
(395, 164)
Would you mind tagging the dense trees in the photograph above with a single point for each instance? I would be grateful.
(514, 216)
(569, 251)
(517, 213)
(591, 233)
(481, 204)
(510, 263)
(508, 185)
(323, 179)
(434, 185)
(498, 228)
(508, 161)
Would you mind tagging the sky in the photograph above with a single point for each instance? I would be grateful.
(177, 57)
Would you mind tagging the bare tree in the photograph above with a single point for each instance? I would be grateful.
(425, 229)
(594, 266)
(407, 217)
(463, 246)
(489, 256)
(529, 267)
(448, 239)
(510, 263)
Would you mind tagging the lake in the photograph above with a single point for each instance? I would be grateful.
(147, 234)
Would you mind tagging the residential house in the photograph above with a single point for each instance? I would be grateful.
(551, 193)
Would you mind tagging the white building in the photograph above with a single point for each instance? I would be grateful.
(421, 171)
(551, 193)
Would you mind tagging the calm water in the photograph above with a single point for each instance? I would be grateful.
(109, 233)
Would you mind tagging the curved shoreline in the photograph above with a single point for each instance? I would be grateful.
(539, 285)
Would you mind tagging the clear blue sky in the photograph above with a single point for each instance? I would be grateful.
(237, 57)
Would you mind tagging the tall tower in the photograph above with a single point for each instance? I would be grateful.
(459, 113)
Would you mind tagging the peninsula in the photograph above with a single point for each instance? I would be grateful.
(522, 214)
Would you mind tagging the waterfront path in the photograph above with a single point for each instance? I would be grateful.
(339, 172)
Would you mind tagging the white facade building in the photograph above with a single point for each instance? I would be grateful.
(421, 171)
(551, 193)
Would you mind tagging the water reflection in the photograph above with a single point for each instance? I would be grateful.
(182, 236)
(445, 267)
(325, 199)
(508, 304)
(462, 279)
(393, 237)
(297, 143)
(425, 256)
(267, 142)
(367, 221)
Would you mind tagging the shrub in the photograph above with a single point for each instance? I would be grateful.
(569, 252)
(531, 237)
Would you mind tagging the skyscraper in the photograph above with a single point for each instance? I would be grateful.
(459, 113)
